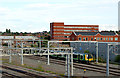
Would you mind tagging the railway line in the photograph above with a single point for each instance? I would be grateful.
(8, 75)
(91, 67)
(19, 70)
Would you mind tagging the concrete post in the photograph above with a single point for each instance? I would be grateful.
(48, 54)
(22, 53)
(96, 52)
(107, 68)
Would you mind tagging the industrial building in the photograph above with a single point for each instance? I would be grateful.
(81, 47)
(17, 38)
(61, 32)
(95, 36)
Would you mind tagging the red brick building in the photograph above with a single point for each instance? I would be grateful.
(59, 31)
(95, 36)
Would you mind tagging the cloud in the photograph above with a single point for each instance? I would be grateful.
(36, 15)
(38, 5)
(4, 9)
(108, 27)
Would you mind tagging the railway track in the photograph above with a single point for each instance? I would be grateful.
(8, 75)
(29, 74)
(91, 67)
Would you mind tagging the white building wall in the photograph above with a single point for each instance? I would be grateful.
(18, 37)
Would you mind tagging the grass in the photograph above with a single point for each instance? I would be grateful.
(62, 74)
(3, 59)
(39, 68)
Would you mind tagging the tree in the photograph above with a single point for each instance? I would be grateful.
(86, 51)
(6, 30)
(44, 31)
(9, 31)
(117, 58)
(48, 38)
(17, 33)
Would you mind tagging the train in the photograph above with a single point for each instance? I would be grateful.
(77, 57)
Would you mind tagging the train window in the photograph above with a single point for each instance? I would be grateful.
(75, 56)
(87, 56)
(91, 39)
(81, 56)
(90, 56)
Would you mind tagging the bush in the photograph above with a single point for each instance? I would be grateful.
(117, 58)
(5, 44)
(101, 60)
(86, 51)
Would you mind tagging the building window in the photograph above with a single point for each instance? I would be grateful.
(106, 39)
(101, 39)
(76, 30)
(98, 38)
(67, 33)
(72, 38)
(95, 38)
(111, 38)
(66, 36)
(84, 39)
(116, 39)
(91, 39)
(80, 38)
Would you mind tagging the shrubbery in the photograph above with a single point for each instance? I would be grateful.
(101, 60)
(86, 51)
(117, 58)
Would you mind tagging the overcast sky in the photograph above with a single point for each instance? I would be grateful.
(36, 15)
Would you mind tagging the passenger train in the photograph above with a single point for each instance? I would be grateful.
(77, 57)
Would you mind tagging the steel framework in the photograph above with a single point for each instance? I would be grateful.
(17, 47)
(107, 64)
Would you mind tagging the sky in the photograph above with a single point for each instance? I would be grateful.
(36, 15)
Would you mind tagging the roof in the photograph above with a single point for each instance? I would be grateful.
(107, 33)
(94, 33)
(18, 37)
(118, 33)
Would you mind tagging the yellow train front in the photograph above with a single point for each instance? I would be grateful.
(82, 57)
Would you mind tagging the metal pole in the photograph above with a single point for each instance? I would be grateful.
(96, 52)
(9, 45)
(48, 54)
(10, 52)
(68, 65)
(107, 68)
(31, 51)
(22, 53)
(16, 43)
(40, 45)
(71, 61)
(16, 46)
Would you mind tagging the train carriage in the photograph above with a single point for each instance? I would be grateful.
(82, 57)
(77, 57)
